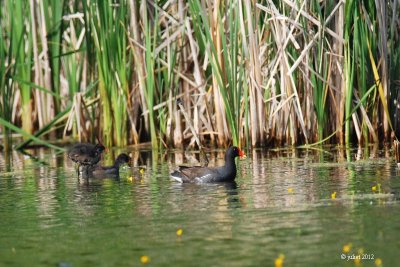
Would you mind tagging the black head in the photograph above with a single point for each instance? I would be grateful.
(234, 152)
(99, 148)
(122, 159)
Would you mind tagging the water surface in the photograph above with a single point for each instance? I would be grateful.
(281, 203)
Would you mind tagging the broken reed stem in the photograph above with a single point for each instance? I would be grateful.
(195, 134)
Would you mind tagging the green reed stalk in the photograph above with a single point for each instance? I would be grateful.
(225, 75)
(53, 13)
(8, 53)
(101, 23)
(234, 68)
(360, 63)
(363, 35)
(4, 89)
(320, 77)
(107, 25)
(73, 73)
(22, 48)
(348, 66)
(168, 81)
(150, 33)
(121, 75)
(10, 126)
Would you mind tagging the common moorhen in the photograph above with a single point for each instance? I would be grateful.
(109, 171)
(226, 173)
(85, 154)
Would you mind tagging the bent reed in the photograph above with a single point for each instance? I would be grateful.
(247, 73)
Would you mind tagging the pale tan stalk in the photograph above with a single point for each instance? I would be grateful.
(256, 79)
(39, 104)
(248, 48)
(200, 84)
(356, 124)
(219, 105)
(178, 129)
(46, 80)
(368, 122)
(138, 57)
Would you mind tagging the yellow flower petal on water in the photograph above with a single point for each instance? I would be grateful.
(346, 248)
(179, 232)
(141, 170)
(378, 262)
(130, 178)
(333, 195)
(144, 259)
(279, 260)
(374, 188)
(290, 190)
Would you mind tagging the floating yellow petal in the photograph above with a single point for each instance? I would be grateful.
(141, 171)
(374, 188)
(290, 190)
(279, 260)
(333, 195)
(130, 178)
(346, 248)
(144, 259)
(179, 232)
(378, 262)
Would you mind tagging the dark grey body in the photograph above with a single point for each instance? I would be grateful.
(108, 171)
(226, 173)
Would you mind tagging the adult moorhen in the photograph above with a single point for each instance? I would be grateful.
(226, 173)
(109, 171)
(85, 154)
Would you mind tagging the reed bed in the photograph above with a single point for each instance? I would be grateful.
(249, 73)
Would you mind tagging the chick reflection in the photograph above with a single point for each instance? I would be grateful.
(95, 184)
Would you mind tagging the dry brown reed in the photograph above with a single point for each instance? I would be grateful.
(247, 72)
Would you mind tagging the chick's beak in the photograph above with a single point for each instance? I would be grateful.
(241, 154)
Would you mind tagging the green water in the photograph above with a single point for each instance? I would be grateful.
(281, 204)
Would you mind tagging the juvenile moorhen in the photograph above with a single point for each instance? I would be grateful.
(85, 154)
(109, 171)
(226, 173)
